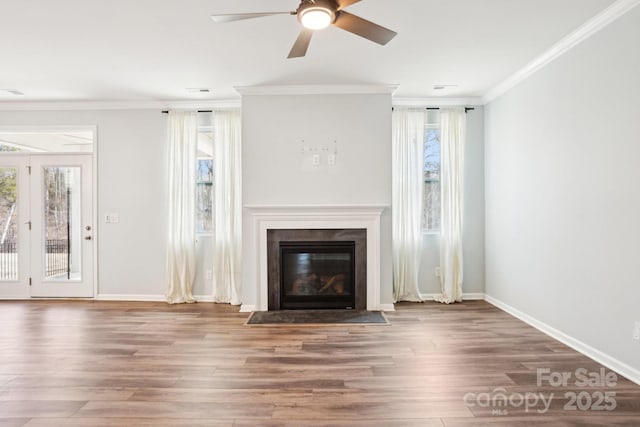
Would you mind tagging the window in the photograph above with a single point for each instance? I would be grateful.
(204, 177)
(431, 195)
(39, 139)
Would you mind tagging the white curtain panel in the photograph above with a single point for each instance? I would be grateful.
(452, 140)
(227, 207)
(181, 258)
(407, 184)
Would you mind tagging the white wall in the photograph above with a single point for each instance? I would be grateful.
(275, 172)
(131, 182)
(473, 218)
(562, 198)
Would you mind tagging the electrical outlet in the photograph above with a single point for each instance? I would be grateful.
(636, 331)
(437, 271)
(315, 160)
(209, 274)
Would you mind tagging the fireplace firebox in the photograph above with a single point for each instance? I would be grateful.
(317, 275)
(317, 269)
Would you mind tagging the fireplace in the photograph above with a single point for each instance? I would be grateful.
(317, 269)
(317, 275)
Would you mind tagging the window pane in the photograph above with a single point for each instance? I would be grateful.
(204, 196)
(47, 141)
(62, 223)
(7, 148)
(431, 208)
(9, 229)
(432, 154)
(431, 198)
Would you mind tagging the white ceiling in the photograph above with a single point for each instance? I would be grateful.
(152, 50)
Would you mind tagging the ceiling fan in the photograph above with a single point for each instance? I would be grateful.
(317, 15)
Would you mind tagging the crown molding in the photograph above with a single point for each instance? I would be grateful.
(591, 27)
(316, 90)
(436, 102)
(119, 105)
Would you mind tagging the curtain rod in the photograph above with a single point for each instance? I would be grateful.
(199, 111)
(466, 109)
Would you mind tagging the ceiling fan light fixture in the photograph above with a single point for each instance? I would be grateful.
(316, 17)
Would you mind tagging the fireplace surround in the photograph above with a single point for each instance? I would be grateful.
(261, 218)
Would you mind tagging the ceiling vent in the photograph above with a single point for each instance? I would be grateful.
(197, 90)
(12, 92)
(443, 87)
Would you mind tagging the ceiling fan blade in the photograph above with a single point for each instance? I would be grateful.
(301, 45)
(346, 3)
(230, 17)
(363, 28)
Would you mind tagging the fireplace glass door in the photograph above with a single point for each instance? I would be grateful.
(317, 275)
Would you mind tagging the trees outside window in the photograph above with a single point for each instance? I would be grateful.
(204, 181)
(431, 195)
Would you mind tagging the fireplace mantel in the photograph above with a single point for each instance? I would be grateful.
(266, 217)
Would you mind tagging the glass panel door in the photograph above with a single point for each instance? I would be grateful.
(62, 235)
(14, 222)
(8, 223)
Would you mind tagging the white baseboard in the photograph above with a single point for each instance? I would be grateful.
(149, 298)
(247, 308)
(129, 297)
(474, 296)
(465, 297)
(621, 368)
(387, 307)
(204, 298)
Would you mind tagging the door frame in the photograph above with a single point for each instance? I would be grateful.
(94, 184)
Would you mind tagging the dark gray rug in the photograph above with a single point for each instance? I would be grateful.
(317, 317)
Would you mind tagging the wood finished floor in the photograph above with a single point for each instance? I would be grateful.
(79, 363)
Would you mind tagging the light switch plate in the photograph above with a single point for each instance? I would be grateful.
(112, 218)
